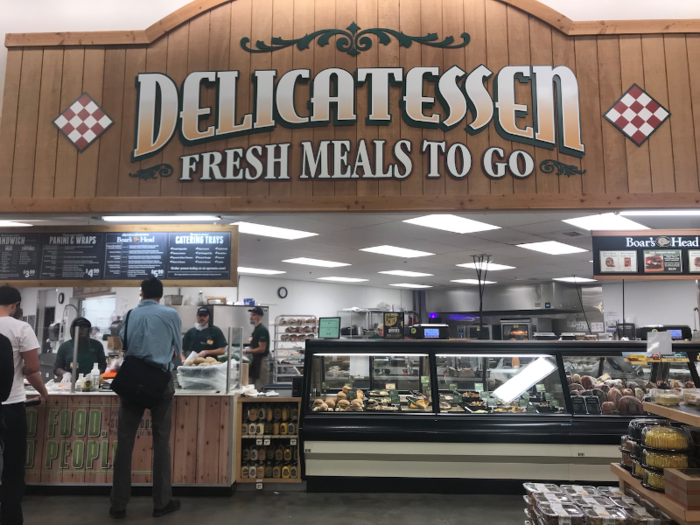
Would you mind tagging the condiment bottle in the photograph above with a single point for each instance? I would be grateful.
(294, 471)
(279, 453)
(268, 469)
(246, 454)
(260, 471)
(252, 471)
(292, 429)
(260, 430)
(253, 454)
(268, 413)
(277, 471)
(244, 470)
(288, 454)
(295, 413)
(284, 427)
(270, 453)
(253, 413)
(268, 429)
(286, 472)
(277, 413)
(285, 413)
(244, 429)
(276, 428)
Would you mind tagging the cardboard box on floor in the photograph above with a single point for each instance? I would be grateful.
(683, 486)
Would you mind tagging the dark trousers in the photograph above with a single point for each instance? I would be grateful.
(14, 435)
(130, 415)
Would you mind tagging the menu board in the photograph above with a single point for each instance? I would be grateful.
(618, 261)
(72, 256)
(19, 256)
(199, 255)
(135, 255)
(117, 256)
(663, 261)
(694, 261)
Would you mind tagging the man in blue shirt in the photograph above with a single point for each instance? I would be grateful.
(155, 336)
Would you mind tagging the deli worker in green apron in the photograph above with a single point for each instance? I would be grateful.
(205, 338)
(90, 352)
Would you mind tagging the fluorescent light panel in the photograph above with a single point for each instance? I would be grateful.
(372, 355)
(491, 267)
(259, 271)
(161, 218)
(14, 224)
(470, 281)
(551, 247)
(451, 223)
(660, 213)
(411, 285)
(405, 273)
(315, 262)
(395, 251)
(271, 231)
(343, 279)
(605, 221)
(574, 279)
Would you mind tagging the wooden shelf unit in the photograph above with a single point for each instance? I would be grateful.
(241, 439)
(683, 516)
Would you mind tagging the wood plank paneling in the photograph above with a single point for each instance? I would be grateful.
(497, 56)
(67, 155)
(518, 54)
(178, 41)
(208, 463)
(660, 145)
(93, 77)
(387, 15)
(475, 52)
(225, 442)
(8, 128)
(283, 26)
(410, 22)
(682, 131)
(27, 121)
(113, 104)
(610, 85)
(693, 44)
(128, 186)
(632, 72)
(185, 440)
(324, 57)
(588, 81)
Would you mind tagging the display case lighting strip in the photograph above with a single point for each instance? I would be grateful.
(532, 373)
(494, 355)
(386, 354)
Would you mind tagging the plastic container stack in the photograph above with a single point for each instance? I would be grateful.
(548, 504)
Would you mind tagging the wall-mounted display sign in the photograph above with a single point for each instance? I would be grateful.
(472, 105)
(393, 325)
(646, 254)
(120, 255)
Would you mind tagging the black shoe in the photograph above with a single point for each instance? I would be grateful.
(170, 507)
(117, 514)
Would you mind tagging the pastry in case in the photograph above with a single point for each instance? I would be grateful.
(560, 514)
(531, 488)
(655, 459)
(627, 443)
(636, 426)
(664, 438)
(605, 516)
(626, 502)
(654, 480)
(638, 515)
(638, 471)
(662, 396)
(537, 498)
(611, 492)
(627, 460)
(593, 501)
(580, 490)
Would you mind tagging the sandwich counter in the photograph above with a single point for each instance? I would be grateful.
(481, 416)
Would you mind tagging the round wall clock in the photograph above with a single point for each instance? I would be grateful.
(61, 298)
(282, 292)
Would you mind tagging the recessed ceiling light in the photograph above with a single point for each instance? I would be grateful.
(395, 251)
(343, 279)
(315, 262)
(574, 279)
(14, 224)
(161, 218)
(605, 221)
(405, 273)
(470, 281)
(271, 231)
(259, 271)
(660, 213)
(551, 247)
(411, 285)
(491, 267)
(452, 223)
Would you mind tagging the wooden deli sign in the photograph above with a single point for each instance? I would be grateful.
(647, 254)
(165, 109)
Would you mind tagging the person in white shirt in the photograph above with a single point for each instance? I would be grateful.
(25, 354)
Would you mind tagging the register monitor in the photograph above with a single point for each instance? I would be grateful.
(429, 331)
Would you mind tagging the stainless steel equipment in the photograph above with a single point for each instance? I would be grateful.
(475, 332)
(516, 329)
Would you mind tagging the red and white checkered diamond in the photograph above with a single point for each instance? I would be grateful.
(637, 115)
(83, 121)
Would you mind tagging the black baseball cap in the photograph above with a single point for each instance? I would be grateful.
(203, 310)
(257, 311)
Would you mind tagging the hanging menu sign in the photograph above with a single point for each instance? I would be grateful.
(646, 254)
(104, 256)
(19, 256)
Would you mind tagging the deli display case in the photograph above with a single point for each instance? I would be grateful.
(473, 416)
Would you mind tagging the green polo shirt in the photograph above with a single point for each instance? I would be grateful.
(210, 338)
(261, 335)
(90, 352)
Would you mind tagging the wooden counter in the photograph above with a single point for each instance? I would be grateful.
(72, 440)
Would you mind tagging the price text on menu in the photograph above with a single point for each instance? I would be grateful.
(115, 256)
